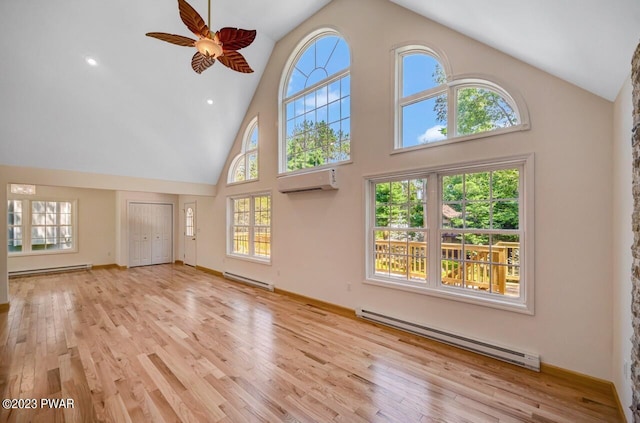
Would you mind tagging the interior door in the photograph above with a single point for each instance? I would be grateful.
(190, 234)
(150, 234)
(139, 235)
(162, 231)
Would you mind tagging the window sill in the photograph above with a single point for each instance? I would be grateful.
(314, 169)
(42, 253)
(454, 294)
(265, 261)
(246, 181)
(453, 140)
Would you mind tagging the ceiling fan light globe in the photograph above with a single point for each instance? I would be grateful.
(208, 47)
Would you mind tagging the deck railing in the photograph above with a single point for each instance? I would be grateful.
(479, 267)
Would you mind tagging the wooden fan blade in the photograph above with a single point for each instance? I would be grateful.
(172, 38)
(192, 20)
(236, 38)
(200, 62)
(234, 60)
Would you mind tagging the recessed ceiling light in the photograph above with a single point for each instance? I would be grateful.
(209, 101)
(91, 61)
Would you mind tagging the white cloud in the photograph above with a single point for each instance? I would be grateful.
(432, 134)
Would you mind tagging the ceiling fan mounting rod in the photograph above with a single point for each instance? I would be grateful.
(209, 15)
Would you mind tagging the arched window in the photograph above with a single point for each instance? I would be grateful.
(316, 104)
(433, 108)
(245, 166)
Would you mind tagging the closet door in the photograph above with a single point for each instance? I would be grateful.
(162, 234)
(139, 235)
(150, 234)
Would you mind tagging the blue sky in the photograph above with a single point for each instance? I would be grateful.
(330, 55)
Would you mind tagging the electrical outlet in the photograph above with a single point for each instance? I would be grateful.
(349, 287)
(626, 368)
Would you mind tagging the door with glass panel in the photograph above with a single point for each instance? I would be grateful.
(190, 234)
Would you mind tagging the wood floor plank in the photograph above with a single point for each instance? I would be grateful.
(170, 343)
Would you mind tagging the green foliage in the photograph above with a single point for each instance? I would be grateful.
(400, 204)
(481, 110)
(314, 144)
(478, 109)
(489, 201)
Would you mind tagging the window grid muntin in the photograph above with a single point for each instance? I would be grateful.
(466, 232)
(189, 226)
(334, 152)
(51, 226)
(433, 285)
(250, 226)
(15, 223)
(406, 255)
(343, 144)
(55, 227)
(241, 169)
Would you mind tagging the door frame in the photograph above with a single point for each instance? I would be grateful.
(127, 227)
(190, 238)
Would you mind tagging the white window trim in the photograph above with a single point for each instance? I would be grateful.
(297, 53)
(244, 152)
(433, 286)
(450, 88)
(26, 227)
(247, 257)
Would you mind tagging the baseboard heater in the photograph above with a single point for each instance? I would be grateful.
(238, 278)
(60, 269)
(519, 358)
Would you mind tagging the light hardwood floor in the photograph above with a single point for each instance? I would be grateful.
(170, 343)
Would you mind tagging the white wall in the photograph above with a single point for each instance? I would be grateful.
(204, 226)
(318, 237)
(95, 229)
(123, 198)
(130, 188)
(621, 247)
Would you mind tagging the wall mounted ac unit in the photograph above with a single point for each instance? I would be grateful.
(312, 181)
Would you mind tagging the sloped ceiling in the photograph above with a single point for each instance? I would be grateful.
(143, 112)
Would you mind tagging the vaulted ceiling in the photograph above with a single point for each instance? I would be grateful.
(143, 112)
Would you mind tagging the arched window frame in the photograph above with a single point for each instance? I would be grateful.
(283, 98)
(245, 152)
(450, 88)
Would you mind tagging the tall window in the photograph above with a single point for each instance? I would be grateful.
(16, 228)
(316, 105)
(249, 232)
(432, 109)
(41, 226)
(245, 166)
(458, 233)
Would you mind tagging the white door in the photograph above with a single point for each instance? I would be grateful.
(139, 235)
(162, 233)
(150, 234)
(190, 234)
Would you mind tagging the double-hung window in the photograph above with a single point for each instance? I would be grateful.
(41, 226)
(249, 229)
(458, 232)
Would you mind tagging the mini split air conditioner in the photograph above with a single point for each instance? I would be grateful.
(312, 181)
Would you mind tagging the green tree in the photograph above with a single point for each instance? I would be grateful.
(314, 144)
(485, 200)
(400, 204)
(478, 109)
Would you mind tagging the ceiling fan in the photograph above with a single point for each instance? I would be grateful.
(223, 45)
